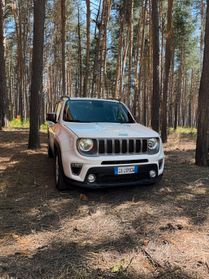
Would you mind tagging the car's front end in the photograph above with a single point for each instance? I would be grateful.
(100, 161)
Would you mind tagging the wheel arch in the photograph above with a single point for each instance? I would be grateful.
(57, 147)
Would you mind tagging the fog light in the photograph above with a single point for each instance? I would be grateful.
(91, 178)
(152, 173)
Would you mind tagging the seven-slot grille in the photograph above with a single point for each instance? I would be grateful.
(121, 146)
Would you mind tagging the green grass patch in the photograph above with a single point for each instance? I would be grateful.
(184, 131)
(119, 267)
(16, 123)
(44, 126)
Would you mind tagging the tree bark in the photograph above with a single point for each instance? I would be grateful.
(168, 57)
(189, 123)
(88, 20)
(103, 53)
(63, 23)
(96, 51)
(130, 28)
(102, 49)
(140, 57)
(37, 72)
(201, 156)
(120, 45)
(202, 12)
(80, 55)
(2, 70)
(156, 56)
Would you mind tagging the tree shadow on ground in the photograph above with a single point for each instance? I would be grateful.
(70, 260)
(30, 204)
(31, 187)
(29, 201)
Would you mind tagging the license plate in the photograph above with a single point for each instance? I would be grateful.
(126, 170)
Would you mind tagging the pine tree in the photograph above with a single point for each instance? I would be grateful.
(37, 72)
(155, 111)
(201, 157)
(2, 70)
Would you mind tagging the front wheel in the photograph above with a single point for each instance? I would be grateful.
(50, 153)
(60, 182)
(157, 182)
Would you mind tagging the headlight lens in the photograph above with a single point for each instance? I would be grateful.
(153, 143)
(85, 145)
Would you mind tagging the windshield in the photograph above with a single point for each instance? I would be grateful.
(96, 111)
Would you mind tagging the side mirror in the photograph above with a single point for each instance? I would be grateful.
(51, 117)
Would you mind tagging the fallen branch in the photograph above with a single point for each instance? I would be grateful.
(130, 262)
(151, 260)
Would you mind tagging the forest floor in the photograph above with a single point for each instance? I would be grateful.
(159, 231)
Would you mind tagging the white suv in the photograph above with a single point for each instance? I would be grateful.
(97, 143)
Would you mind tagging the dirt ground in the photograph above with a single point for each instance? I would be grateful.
(159, 231)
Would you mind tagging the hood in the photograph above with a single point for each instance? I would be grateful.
(110, 130)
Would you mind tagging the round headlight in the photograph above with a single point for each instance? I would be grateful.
(152, 143)
(85, 145)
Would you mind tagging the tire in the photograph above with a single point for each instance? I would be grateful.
(60, 180)
(50, 153)
(158, 180)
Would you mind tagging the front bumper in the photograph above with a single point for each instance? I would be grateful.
(106, 178)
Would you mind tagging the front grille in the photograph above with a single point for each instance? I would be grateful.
(121, 146)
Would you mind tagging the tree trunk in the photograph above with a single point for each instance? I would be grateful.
(202, 12)
(130, 28)
(102, 49)
(37, 72)
(171, 93)
(178, 93)
(189, 123)
(80, 56)
(201, 157)
(168, 57)
(119, 62)
(63, 23)
(96, 51)
(138, 72)
(156, 54)
(103, 68)
(18, 16)
(145, 83)
(88, 20)
(2, 70)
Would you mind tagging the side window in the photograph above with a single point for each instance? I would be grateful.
(67, 114)
(58, 110)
